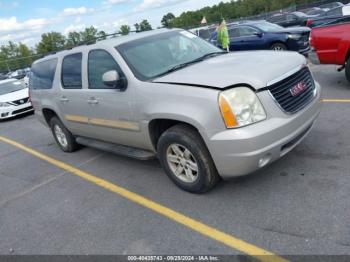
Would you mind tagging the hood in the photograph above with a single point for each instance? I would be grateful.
(296, 29)
(254, 68)
(20, 94)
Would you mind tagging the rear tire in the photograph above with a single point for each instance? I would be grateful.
(186, 160)
(347, 69)
(64, 138)
(278, 47)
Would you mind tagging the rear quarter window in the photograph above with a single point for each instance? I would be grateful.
(43, 74)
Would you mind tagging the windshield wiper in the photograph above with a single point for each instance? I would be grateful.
(199, 59)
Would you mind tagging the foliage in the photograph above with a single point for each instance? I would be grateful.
(232, 10)
(143, 26)
(51, 42)
(124, 30)
(15, 52)
(167, 19)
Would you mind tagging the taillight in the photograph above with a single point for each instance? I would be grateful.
(311, 41)
(309, 22)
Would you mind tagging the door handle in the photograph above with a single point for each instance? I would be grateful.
(92, 101)
(64, 99)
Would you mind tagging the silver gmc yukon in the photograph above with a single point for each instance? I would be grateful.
(204, 113)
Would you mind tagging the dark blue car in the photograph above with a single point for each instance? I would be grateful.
(259, 35)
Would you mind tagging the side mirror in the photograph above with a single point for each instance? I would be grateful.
(259, 34)
(111, 78)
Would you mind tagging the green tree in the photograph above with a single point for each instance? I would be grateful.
(124, 30)
(102, 35)
(14, 56)
(51, 42)
(89, 35)
(25, 53)
(137, 27)
(73, 39)
(145, 26)
(168, 19)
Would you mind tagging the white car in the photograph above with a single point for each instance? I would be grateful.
(14, 98)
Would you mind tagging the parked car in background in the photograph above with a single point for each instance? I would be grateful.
(289, 19)
(260, 35)
(205, 113)
(314, 11)
(14, 98)
(329, 6)
(329, 16)
(18, 74)
(204, 32)
(331, 44)
(3, 76)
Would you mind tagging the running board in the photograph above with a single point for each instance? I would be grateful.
(117, 149)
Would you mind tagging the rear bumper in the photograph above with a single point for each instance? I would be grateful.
(12, 111)
(242, 151)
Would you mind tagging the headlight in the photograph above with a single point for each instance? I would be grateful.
(2, 104)
(294, 36)
(240, 107)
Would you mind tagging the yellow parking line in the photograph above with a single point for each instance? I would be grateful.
(186, 221)
(336, 100)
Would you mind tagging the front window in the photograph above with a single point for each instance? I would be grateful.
(10, 87)
(156, 55)
(100, 62)
(247, 31)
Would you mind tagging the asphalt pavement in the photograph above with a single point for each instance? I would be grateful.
(299, 205)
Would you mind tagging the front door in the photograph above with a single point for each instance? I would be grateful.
(110, 109)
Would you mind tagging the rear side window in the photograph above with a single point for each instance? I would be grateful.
(100, 62)
(43, 74)
(71, 71)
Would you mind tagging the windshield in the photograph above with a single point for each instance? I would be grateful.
(153, 56)
(269, 27)
(10, 87)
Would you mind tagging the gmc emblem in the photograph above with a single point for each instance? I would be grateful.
(297, 89)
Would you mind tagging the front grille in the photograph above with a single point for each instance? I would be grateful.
(22, 110)
(283, 94)
(20, 101)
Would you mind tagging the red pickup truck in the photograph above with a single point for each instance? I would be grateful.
(330, 44)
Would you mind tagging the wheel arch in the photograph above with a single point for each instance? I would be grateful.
(278, 42)
(157, 126)
(48, 114)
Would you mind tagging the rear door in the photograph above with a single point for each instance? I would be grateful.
(71, 96)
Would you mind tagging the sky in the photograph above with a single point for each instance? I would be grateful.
(25, 20)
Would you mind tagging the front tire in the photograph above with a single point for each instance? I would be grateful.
(279, 47)
(64, 138)
(347, 69)
(186, 160)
